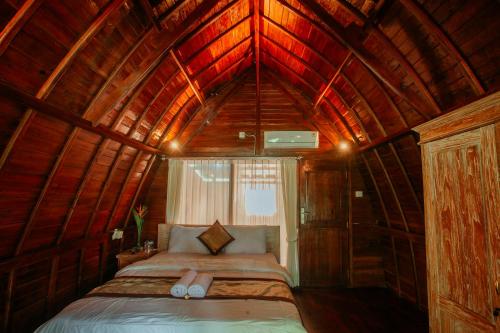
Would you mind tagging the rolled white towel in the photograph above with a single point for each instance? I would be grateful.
(180, 288)
(200, 285)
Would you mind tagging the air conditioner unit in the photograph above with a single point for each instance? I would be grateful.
(290, 139)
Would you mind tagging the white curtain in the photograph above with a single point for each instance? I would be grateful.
(174, 190)
(204, 192)
(289, 181)
(258, 196)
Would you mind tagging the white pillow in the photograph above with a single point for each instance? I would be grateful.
(183, 240)
(247, 239)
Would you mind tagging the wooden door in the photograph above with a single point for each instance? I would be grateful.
(323, 228)
(462, 230)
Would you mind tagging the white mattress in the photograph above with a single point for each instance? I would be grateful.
(155, 315)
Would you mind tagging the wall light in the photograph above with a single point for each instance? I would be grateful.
(344, 146)
(243, 136)
(174, 145)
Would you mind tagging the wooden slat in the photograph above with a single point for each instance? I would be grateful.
(306, 113)
(196, 91)
(430, 25)
(342, 119)
(146, 5)
(388, 221)
(212, 19)
(221, 56)
(231, 67)
(373, 29)
(136, 195)
(216, 39)
(330, 82)
(161, 142)
(70, 118)
(211, 110)
(256, 45)
(30, 258)
(8, 299)
(58, 71)
(17, 22)
(164, 42)
(405, 224)
(349, 41)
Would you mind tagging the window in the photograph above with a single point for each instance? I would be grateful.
(242, 192)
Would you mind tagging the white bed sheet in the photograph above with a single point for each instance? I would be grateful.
(155, 315)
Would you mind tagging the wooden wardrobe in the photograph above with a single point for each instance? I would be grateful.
(462, 228)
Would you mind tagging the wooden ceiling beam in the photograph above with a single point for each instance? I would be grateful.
(194, 88)
(227, 69)
(163, 43)
(256, 45)
(49, 84)
(148, 9)
(17, 22)
(372, 28)
(349, 38)
(216, 39)
(296, 38)
(163, 138)
(430, 25)
(297, 58)
(221, 56)
(330, 82)
(212, 19)
(55, 112)
(342, 119)
(289, 70)
(172, 10)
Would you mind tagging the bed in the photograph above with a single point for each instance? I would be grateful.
(250, 293)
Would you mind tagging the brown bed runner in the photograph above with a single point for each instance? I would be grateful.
(262, 289)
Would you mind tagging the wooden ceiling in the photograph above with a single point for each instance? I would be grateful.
(92, 92)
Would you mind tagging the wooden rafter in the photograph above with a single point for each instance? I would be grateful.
(212, 19)
(373, 29)
(342, 119)
(330, 82)
(290, 70)
(216, 39)
(172, 10)
(229, 68)
(350, 41)
(429, 24)
(196, 90)
(221, 56)
(17, 22)
(163, 138)
(256, 52)
(146, 5)
(58, 71)
(296, 57)
(164, 42)
(68, 117)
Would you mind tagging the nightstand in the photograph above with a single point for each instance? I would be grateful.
(126, 258)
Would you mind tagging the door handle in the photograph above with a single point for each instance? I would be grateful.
(497, 286)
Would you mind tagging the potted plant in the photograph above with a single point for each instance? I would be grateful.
(139, 214)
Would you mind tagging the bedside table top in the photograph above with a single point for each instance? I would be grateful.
(141, 254)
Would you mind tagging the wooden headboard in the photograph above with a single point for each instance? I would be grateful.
(272, 237)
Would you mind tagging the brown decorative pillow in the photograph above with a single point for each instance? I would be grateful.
(215, 238)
